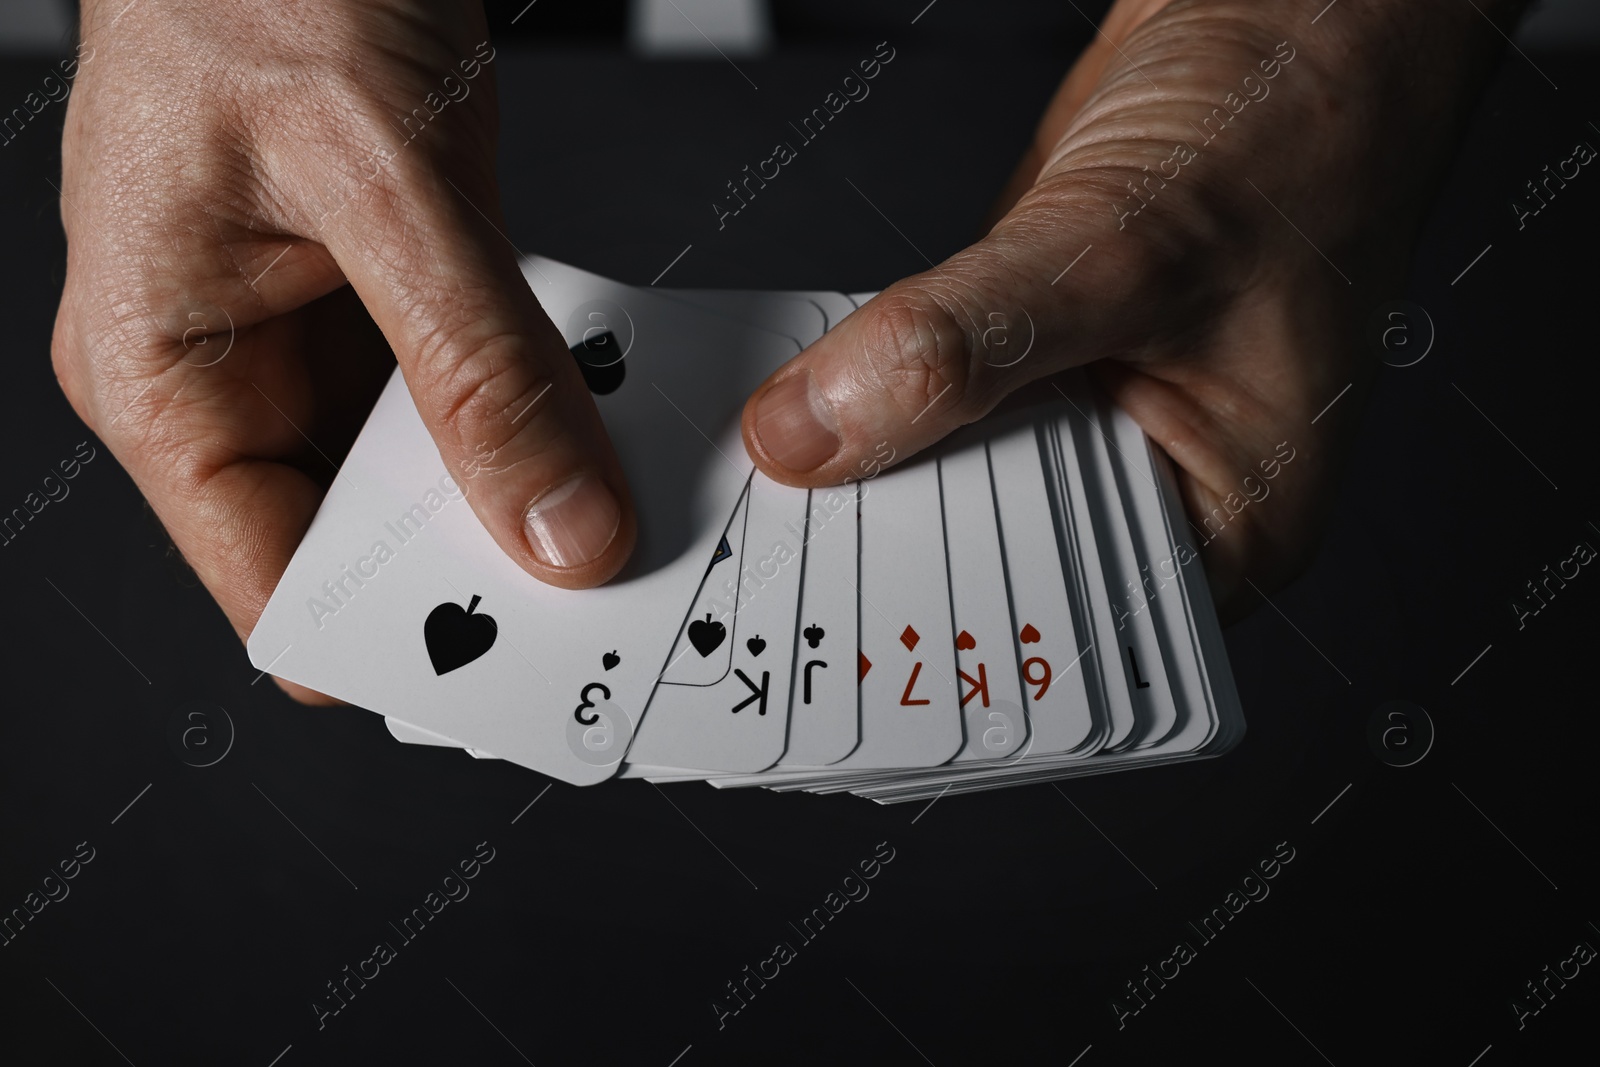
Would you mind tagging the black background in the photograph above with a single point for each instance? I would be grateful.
(611, 917)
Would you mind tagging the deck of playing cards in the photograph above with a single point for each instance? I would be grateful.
(1020, 604)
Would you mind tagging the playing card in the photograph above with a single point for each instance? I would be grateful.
(398, 599)
(703, 653)
(824, 718)
(1160, 560)
(1049, 647)
(836, 307)
(1079, 544)
(407, 734)
(790, 314)
(986, 661)
(910, 707)
(735, 719)
(1135, 642)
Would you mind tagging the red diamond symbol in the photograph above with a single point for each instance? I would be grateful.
(864, 666)
(909, 638)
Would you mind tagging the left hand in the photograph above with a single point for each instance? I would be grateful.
(1240, 184)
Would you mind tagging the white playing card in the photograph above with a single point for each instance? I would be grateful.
(790, 314)
(986, 660)
(1050, 649)
(824, 717)
(736, 720)
(1072, 431)
(1136, 650)
(835, 306)
(703, 653)
(1160, 561)
(525, 677)
(824, 723)
(910, 709)
(407, 734)
(1218, 691)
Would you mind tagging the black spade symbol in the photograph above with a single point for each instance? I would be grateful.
(813, 635)
(610, 659)
(756, 645)
(455, 636)
(706, 636)
(600, 359)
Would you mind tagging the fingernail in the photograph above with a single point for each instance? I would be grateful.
(794, 424)
(573, 523)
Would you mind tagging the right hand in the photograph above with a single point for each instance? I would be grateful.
(250, 176)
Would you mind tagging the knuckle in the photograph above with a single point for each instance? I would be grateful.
(190, 472)
(484, 394)
(100, 362)
(380, 140)
(918, 353)
(63, 351)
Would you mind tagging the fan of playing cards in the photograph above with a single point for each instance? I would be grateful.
(1016, 605)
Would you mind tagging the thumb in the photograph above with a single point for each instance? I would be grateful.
(491, 376)
(940, 349)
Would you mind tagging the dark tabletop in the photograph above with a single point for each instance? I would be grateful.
(1418, 902)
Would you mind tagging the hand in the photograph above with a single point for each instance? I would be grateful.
(238, 181)
(1231, 186)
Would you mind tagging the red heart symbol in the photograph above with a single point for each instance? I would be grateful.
(965, 641)
(1030, 636)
